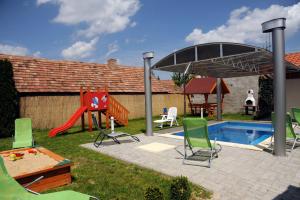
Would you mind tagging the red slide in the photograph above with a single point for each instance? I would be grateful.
(69, 123)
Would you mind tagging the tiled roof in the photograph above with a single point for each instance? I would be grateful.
(43, 75)
(204, 86)
(293, 58)
(172, 88)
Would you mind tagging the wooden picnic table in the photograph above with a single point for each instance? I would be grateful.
(208, 108)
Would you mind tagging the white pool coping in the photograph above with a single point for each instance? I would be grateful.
(258, 147)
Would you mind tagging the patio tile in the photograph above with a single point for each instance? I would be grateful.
(236, 174)
(156, 147)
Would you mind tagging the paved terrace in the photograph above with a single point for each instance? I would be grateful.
(236, 174)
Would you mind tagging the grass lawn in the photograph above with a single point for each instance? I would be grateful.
(103, 176)
(100, 175)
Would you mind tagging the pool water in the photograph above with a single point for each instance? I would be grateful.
(239, 132)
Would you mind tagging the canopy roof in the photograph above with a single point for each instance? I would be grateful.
(221, 60)
(206, 85)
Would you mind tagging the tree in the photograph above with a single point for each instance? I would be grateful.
(179, 79)
(9, 100)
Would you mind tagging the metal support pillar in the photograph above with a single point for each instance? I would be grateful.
(148, 91)
(277, 26)
(219, 100)
(184, 100)
(186, 72)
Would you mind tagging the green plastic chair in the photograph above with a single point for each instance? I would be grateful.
(12, 190)
(9, 188)
(23, 133)
(197, 141)
(291, 136)
(296, 115)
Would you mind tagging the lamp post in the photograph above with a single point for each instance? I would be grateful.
(277, 26)
(147, 56)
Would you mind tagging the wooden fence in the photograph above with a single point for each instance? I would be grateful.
(52, 111)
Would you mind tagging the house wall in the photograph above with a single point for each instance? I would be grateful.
(238, 87)
(292, 94)
(52, 111)
(233, 102)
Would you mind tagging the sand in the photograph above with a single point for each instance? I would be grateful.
(30, 163)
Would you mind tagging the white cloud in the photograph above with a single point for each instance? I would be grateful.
(141, 40)
(99, 16)
(112, 48)
(80, 49)
(133, 24)
(39, 2)
(37, 54)
(244, 25)
(135, 40)
(13, 50)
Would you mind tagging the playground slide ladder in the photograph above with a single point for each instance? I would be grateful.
(116, 110)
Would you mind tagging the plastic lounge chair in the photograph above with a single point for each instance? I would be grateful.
(296, 116)
(197, 140)
(114, 136)
(23, 133)
(291, 136)
(12, 190)
(170, 117)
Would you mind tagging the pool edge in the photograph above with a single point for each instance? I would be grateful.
(257, 147)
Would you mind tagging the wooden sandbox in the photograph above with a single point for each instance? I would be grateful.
(55, 169)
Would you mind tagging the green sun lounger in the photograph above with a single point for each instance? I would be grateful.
(296, 116)
(10, 189)
(197, 141)
(23, 133)
(291, 136)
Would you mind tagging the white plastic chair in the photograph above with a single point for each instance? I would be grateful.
(170, 117)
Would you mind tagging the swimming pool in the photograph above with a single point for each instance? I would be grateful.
(238, 132)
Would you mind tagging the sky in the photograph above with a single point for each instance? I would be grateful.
(96, 30)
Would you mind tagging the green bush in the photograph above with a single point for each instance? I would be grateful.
(9, 101)
(180, 189)
(153, 193)
(265, 98)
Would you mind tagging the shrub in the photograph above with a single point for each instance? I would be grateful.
(265, 98)
(153, 193)
(180, 189)
(9, 101)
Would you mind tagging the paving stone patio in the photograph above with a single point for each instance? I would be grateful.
(236, 174)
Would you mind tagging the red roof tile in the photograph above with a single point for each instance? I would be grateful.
(293, 58)
(204, 86)
(172, 88)
(43, 75)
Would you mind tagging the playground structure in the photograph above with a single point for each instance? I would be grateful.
(204, 86)
(95, 101)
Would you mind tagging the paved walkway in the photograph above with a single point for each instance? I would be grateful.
(236, 174)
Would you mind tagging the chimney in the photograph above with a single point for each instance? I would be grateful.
(112, 62)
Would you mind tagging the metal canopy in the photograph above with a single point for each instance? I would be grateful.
(221, 60)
